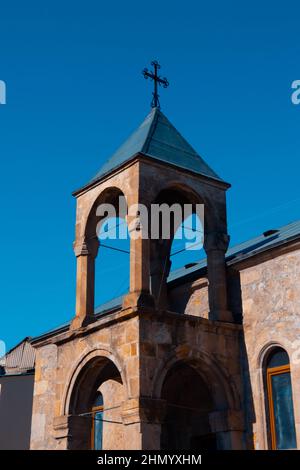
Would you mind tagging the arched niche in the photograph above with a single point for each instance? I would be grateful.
(98, 377)
(189, 403)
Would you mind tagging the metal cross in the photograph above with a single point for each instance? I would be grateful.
(157, 81)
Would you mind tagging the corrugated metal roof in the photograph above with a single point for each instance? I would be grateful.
(19, 359)
(157, 138)
(263, 242)
(109, 306)
(247, 249)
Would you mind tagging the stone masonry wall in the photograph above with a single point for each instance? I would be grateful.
(190, 298)
(271, 313)
(143, 345)
(58, 365)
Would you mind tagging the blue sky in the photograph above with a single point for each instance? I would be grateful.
(74, 93)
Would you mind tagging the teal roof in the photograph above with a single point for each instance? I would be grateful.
(266, 241)
(157, 138)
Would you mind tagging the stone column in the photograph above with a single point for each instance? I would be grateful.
(61, 431)
(86, 251)
(132, 423)
(215, 245)
(143, 418)
(159, 272)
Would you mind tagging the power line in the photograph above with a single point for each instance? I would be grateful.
(114, 248)
(265, 213)
(125, 223)
(91, 414)
(185, 249)
(128, 252)
(190, 228)
(113, 228)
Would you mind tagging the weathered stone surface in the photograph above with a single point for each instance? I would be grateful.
(129, 355)
(271, 316)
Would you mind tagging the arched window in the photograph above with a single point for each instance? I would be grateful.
(280, 400)
(97, 420)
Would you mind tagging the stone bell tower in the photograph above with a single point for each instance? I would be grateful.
(142, 351)
(155, 165)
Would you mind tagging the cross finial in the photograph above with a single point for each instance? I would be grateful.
(157, 81)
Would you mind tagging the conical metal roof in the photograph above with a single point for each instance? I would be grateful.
(157, 138)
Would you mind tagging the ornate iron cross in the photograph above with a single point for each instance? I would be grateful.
(157, 81)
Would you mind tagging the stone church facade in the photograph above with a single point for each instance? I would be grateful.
(183, 360)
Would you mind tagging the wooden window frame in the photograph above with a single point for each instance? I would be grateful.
(95, 409)
(270, 373)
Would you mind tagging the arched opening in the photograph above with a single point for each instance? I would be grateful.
(95, 407)
(112, 262)
(107, 222)
(177, 219)
(188, 405)
(187, 245)
(279, 400)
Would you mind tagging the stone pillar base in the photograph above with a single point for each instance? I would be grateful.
(221, 315)
(142, 418)
(138, 299)
(81, 321)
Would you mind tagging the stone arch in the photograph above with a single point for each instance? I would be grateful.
(186, 189)
(109, 195)
(160, 248)
(261, 357)
(216, 241)
(86, 249)
(199, 398)
(96, 372)
(264, 352)
(86, 358)
(194, 193)
(113, 234)
(224, 392)
(269, 368)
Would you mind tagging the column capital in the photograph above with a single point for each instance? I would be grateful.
(144, 409)
(86, 247)
(216, 241)
(61, 426)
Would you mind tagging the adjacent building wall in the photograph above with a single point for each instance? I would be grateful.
(16, 393)
(271, 316)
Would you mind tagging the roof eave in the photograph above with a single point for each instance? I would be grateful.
(242, 259)
(101, 178)
(238, 262)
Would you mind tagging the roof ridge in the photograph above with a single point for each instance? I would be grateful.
(146, 144)
(179, 134)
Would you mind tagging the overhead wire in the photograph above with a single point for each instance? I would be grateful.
(90, 414)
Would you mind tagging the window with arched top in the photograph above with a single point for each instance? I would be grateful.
(97, 422)
(280, 409)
